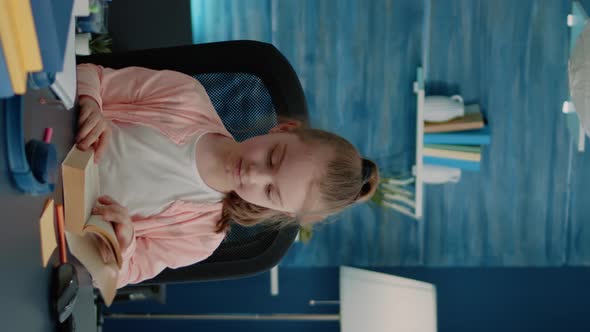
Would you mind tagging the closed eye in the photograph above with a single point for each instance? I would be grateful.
(275, 159)
(271, 157)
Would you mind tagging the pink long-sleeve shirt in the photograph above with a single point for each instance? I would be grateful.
(177, 106)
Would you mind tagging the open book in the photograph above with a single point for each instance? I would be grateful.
(81, 189)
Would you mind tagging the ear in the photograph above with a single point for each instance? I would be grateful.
(287, 126)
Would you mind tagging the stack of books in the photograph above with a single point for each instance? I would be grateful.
(33, 35)
(456, 143)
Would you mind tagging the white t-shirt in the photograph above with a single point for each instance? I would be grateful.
(145, 171)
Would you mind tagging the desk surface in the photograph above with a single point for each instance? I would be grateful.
(24, 283)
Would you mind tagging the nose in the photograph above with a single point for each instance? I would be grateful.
(257, 174)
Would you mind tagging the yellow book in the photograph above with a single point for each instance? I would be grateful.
(24, 25)
(8, 39)
(470, 121)
(450, 154)
(47, 232)
(81, 189)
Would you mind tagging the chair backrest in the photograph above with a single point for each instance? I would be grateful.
(250, 84)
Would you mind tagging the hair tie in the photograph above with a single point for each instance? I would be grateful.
(366, 170)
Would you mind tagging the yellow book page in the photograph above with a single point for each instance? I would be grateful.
(105, 276)
(97, 225)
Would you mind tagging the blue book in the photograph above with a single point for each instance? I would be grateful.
(52, 23)
(5, 85)
(472, 137)
(455, 163)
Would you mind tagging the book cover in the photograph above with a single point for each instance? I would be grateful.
(452, 154)
(46, 34)
(5, 85)
(47, 232)
(52, 22)
(62, 10)
(474, 137)
(455, 163)
(471, 121)
(464, 148)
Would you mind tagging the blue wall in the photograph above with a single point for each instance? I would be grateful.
(356, 60)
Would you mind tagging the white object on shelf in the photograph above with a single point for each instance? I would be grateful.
(396, 189)
(568, 107)
(83, 43)
(81, 8)
(435, 174)
(443, 108)
(400, 197)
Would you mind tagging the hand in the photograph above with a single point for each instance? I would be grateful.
(94, 130)
(113, 212)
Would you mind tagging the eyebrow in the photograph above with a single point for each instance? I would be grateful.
(280, 163)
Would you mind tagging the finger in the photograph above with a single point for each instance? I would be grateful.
(103, 142)
(87, 141)
(107, 200)
(84, 142)
(85, 127)
(111, 213)
(85, 112)
(114, 211)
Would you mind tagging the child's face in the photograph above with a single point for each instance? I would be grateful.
(277, 171)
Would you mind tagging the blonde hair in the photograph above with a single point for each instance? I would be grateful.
(347, 178)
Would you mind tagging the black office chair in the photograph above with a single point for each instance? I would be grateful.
(250, 84)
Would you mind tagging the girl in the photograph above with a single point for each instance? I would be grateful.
(173, 177)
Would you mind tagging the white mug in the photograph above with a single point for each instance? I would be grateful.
(442, 108)
(435, 174)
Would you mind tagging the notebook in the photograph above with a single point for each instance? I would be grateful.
(452, 154)
(454, 163)
(52, 22)
(474, 137)
(469, 121)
